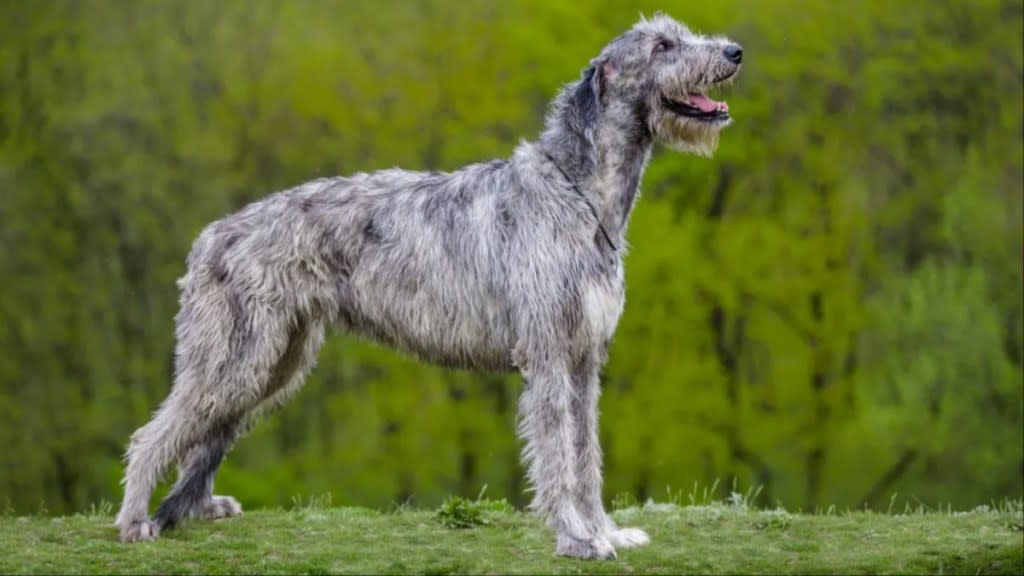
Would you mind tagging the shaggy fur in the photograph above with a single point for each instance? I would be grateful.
(508, 265)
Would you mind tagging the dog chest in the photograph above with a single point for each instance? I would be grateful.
(602, 306)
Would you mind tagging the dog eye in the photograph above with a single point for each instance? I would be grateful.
(662, 46)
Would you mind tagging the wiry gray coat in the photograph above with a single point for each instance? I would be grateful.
(508, 265)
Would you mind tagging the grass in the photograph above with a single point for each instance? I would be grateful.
(489, 537)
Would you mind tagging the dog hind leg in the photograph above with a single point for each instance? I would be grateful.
(193, 493)
(153, 447)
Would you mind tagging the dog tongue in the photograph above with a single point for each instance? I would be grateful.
(706, 104)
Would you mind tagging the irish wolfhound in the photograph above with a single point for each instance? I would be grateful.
(509, 265)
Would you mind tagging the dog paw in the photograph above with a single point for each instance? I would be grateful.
(139, 531)
(628, 538)
(597, 548)
(220, 507)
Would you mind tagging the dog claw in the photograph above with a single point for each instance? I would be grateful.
(220, 507)
(139, 531)
(629, 538)
(597, 548)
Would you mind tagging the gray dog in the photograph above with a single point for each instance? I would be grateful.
(509, 265)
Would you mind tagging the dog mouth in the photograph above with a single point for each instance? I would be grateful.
(698, 105)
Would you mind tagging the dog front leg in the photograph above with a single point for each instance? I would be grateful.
(587, 384)
(547, 426)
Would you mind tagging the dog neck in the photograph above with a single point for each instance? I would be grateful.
(604, 160)
(621, 152)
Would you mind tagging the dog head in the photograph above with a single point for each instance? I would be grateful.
(657, 75)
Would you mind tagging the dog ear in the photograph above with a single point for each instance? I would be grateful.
(587, 98)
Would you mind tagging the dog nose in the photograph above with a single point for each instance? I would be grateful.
(734, 53)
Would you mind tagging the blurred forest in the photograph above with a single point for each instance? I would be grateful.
(831, 308)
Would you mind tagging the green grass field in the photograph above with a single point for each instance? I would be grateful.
(713, 538)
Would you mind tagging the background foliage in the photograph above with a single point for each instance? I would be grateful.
(831, 307)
